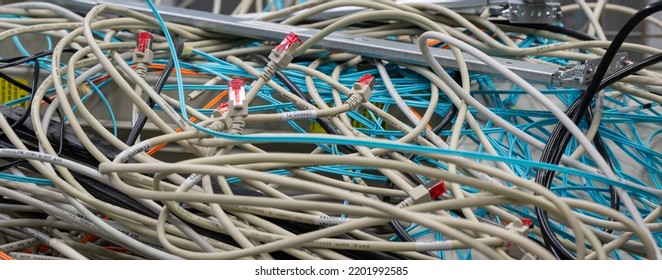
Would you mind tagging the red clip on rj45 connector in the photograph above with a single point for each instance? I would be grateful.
(367, 80)
(237, 92)
(287, 43)
(281, 55)
(437, 190)
(527, 222)
(144, 41)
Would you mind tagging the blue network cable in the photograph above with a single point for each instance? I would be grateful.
(25, 179)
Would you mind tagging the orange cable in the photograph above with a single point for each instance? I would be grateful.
(433, 42)
(418, 116)
(87, 238)
(184, 71)
(4, 256)
(154, 67)
(116, 248)
(90, 237)
(209, 105)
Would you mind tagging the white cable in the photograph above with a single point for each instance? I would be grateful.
(216, 9)
(595, 23)
(572, 128)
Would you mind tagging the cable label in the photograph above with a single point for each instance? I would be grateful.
(329, 220)
(603, 174)
(134, 150)
(487, 178)
(193, 179)
(433, 246)
(298, 115)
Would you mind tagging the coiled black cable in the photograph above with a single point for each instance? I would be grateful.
(560, 136)
(629, 70)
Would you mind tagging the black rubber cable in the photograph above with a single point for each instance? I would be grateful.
(33, 89)
(15, 82)
(629, 70)
(547, 27)
(446, 121)
(158, 87)
(560, 136)
(14, 61)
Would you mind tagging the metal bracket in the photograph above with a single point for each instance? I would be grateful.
(338, 41)
(583, 73)
(527, 11)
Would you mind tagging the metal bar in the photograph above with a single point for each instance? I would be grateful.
(365, 46)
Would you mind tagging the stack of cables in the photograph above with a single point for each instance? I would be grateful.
(237, 148)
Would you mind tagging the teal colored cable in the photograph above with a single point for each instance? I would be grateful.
(25, 179)
(308, 138)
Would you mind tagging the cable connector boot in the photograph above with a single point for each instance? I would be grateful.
(436, 188)
(221, 111)
(363, 87)
(143, 52)
(224, 121)
(281, 55)
(424, 193)
(237, 94)
(521, 226)
(194, 94)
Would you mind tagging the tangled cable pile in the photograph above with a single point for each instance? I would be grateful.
(306, 153)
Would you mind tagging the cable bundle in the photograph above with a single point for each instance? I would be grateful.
(304, 153)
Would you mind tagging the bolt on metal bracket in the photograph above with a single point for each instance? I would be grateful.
(527, 11)
(583, 73)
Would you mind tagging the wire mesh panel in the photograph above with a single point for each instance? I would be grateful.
(611, 22)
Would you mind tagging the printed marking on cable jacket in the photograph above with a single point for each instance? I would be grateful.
(329, 220)
(433, 246)
(136, 149)
(297, 115)
(193, 179)
(603, 174)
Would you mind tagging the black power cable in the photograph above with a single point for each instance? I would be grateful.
(560, 136)
(10, 62)
(71, 148)
(629, 70)
(32, 90)
(158, 87)
(14, 61)
(547, 27)
(15, 82)
(35, 84)
(446, 121)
